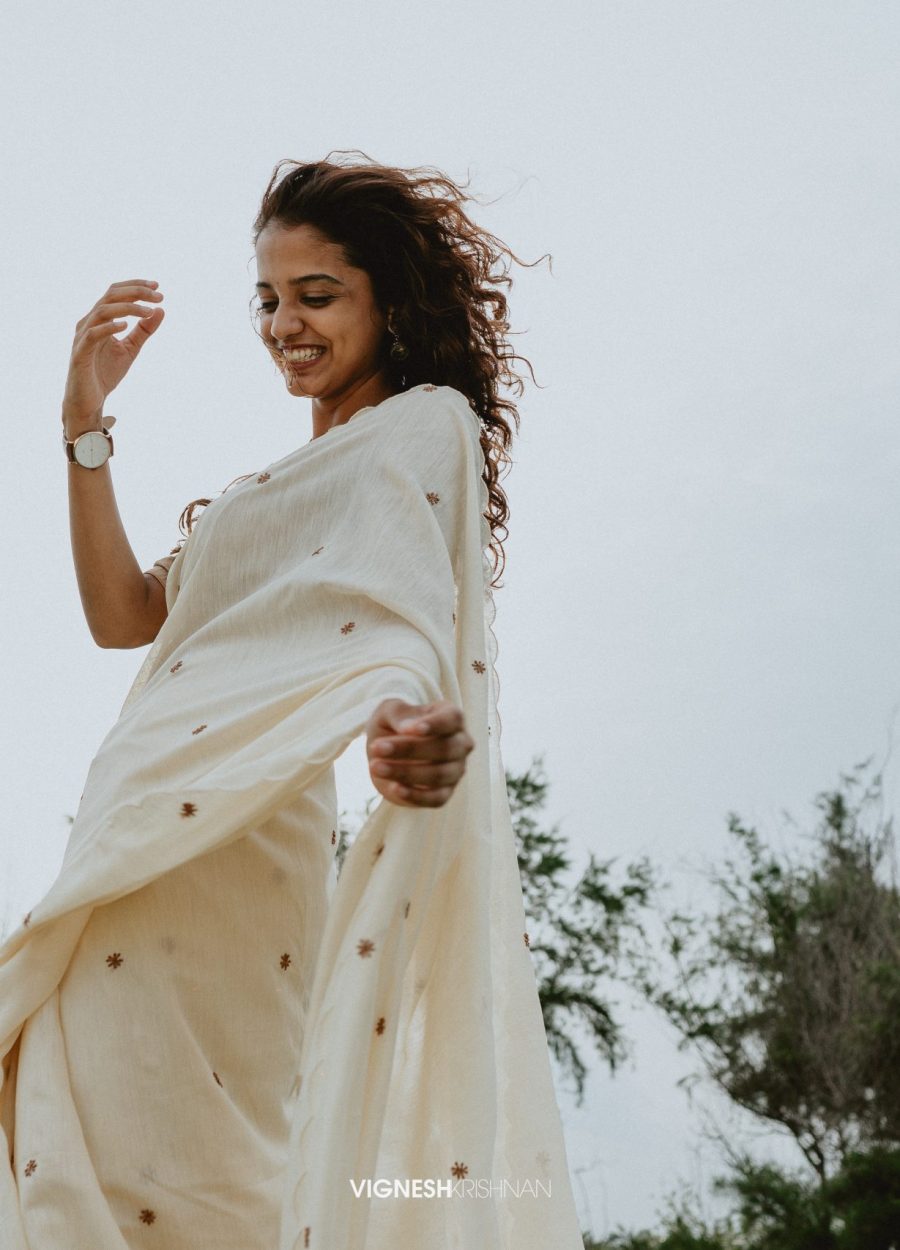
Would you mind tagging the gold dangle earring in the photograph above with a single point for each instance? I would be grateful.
(399, 351)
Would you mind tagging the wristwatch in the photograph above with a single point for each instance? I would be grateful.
(93, 448)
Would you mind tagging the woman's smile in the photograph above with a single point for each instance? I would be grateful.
(297, 359)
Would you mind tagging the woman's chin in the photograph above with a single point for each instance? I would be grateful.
(299, 387)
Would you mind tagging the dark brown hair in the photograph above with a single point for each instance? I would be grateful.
(440, 273)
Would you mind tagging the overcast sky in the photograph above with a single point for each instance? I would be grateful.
(702, 603)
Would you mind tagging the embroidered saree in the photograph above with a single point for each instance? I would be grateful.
(209, 1041)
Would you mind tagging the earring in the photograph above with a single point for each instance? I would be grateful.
(399, 351)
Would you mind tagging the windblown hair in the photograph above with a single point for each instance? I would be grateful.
(440, 273)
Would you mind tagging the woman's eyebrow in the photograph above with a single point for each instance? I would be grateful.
(307, 277)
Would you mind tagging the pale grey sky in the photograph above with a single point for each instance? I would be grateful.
(702, 601)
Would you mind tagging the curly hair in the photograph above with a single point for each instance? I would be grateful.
(440, 273)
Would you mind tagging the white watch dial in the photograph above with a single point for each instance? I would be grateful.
(91, 449)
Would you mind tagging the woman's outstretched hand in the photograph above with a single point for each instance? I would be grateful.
(99, 360)
(417, 752)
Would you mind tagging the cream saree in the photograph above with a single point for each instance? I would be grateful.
(350, 571)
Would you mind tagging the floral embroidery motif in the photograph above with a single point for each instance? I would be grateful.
(285, 960)
(333, 837)
(430, 388)
(317, 550)
(31, 1167)
(433, 497)
(345, 629)
(379, 1027)
(478, 666)
(26, 920)
(264, 477)
(459, 1170)
(115, 960)
(147, 1216)
(188, 809)
(527, 939)
(365, 947)
(218, 1082)
(176, 667)
(199, 729)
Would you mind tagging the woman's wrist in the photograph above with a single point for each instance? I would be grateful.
(74, 426)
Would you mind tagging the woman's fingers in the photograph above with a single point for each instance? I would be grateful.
(406, 797)
(452, 747)
(414, 773)
(144, 328)
(440, 719)
(417, 754)
(101, 313)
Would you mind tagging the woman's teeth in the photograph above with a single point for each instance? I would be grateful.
(300, 354)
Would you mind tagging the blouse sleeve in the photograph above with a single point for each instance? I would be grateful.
(160, 568)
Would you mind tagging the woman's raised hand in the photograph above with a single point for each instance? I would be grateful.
(417, 752)
(99, 360)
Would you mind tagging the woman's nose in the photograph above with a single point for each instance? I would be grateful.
(285, 323)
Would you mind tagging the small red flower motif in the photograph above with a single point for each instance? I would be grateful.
(333, 837)
(365, 947)
(188, 809)
(31, 1167)
(433, 497)
(317, 550)
(26, 920)
(264, 477)
(218, 1082)
(459, 1170)
(147, 1216)
(285, 960)
(114, 960)
(527, 939)
(176, 667)
(430, 388)
(199, 729)
(379, 1027)
(478, 666)
(345, 629)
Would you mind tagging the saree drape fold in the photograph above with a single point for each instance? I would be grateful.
(352, 570)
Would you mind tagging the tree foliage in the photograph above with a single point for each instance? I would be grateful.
(579, 931)
(856, 1209)
(790, 990)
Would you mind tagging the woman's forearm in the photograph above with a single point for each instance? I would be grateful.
(116, 599)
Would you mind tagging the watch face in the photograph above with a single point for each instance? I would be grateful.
(91, 449)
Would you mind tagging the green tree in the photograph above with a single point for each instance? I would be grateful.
(790, 990)
(580, 931)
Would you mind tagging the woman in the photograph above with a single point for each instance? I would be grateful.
(207, 1040)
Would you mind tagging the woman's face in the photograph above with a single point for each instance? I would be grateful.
(311, 298)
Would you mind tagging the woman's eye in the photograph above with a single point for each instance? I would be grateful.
(317, 301)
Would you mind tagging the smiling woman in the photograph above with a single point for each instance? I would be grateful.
(202, 1028)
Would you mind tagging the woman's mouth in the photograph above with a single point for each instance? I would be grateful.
(297, 359)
